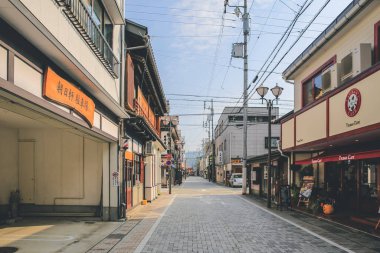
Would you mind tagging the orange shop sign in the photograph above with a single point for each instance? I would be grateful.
(60, 91)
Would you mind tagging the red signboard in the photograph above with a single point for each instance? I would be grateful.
(341, 157)
(353, 102)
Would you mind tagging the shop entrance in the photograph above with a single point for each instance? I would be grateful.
(129, 183)
(354, 184)
(54, 167)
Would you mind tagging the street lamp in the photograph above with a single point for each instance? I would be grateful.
(276, 91)
(168, 120)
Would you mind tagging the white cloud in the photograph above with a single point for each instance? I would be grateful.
(198, 18)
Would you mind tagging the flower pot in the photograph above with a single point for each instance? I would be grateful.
(328, 209)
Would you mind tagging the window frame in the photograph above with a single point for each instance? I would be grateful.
(328, 64)
(90, 5)
(376, 43)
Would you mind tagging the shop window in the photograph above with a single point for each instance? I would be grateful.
(307, 92)
(369, 182)
(377, 42)
(318, 84)
(346, 68)
(137, 169)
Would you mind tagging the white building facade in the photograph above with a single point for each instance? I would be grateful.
(229, 138)
(60, 106)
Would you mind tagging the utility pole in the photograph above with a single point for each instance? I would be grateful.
(212, 170)
(213, 141)
(245, 103)
(236, 53)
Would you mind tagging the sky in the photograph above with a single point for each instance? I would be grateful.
(192, 41)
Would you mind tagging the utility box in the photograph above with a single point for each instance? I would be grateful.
(238, 50)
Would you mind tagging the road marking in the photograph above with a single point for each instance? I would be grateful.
(300, 227)
(150, 232)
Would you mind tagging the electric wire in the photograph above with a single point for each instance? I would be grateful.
(216, 55)
(295, 42)
(253, 90)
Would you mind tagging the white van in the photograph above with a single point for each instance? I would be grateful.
(236, 180)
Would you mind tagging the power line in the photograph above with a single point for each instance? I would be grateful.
(279, 45)
(219, 65)
(193, 95)
(208, 17)
(218, 101)
(180, 22)
(295, 42)
(211, 24)
(283, 38)
(200, 10)
(214, 35)
(216, 55)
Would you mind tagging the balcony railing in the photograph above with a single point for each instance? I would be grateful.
(83, 22)
(148, 115)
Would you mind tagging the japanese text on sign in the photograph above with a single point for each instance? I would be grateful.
(64, 93)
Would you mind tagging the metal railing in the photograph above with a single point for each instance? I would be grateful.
(86, 26)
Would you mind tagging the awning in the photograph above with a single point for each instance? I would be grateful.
(340, 157)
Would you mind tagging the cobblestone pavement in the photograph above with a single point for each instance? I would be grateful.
(204, 217)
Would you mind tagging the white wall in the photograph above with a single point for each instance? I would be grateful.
(68, 167)
(61, 28)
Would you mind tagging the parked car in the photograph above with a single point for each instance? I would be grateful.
(236, 180)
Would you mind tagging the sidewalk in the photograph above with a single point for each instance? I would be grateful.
(131, 233)
(352, 238)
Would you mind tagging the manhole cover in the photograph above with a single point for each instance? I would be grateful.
(8, 249)
(113, 236)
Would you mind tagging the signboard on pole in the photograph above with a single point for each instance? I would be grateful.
(220, 157)
(115, 179)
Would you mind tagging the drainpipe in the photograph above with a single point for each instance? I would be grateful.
(287, 157)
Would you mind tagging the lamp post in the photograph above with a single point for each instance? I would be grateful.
(168, 120)
(276, 91)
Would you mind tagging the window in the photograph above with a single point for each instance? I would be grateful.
(137, 169)
(273, 142)
(235, 118)
(318, 83)
(100, 18)
(377, 42)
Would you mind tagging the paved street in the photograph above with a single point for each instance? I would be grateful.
(203, 217)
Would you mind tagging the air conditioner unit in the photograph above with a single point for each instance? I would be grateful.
(149, 148)
(362, 58)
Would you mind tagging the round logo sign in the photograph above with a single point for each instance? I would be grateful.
(353, 102)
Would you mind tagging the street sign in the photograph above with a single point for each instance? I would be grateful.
(220, 157)
(115, 179)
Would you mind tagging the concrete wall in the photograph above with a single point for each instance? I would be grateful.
(255, 144)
